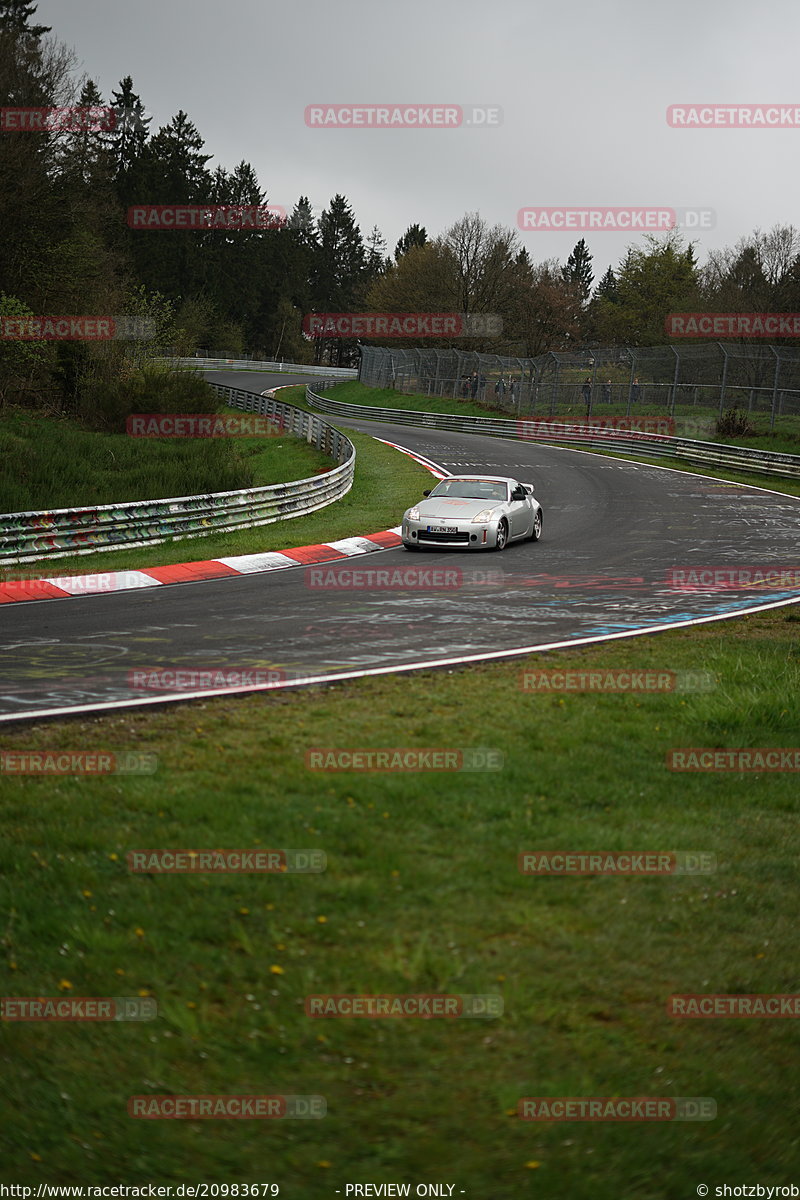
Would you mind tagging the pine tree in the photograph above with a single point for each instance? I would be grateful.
(15, 16)
(607, 287)
(415, 235)
(578, 270)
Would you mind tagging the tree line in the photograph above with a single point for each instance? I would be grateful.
(67, 249)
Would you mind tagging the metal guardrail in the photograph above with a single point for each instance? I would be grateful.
(249, 364)
(529, 429)
(30, 536)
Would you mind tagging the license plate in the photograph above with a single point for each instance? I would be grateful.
(442, 529)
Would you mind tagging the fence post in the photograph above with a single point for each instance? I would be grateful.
(724, 379)
(775, 386)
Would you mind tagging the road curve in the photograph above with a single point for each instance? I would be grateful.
(614, 532)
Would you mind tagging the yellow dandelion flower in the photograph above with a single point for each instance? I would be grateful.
(322, 920)
(114, 857)
(64, 985)
(143, 992)
(276, 970)
(36, 1157)
(245, 912)
(86, 892)
(139, 932)
(533, 1164)
(118, 971)
(323, 1162)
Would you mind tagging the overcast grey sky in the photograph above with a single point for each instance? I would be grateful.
(583, 88)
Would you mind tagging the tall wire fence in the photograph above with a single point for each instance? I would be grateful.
(700, 381)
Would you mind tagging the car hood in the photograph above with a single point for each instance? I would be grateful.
(445, 509)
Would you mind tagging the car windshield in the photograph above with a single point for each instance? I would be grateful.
(471, 489)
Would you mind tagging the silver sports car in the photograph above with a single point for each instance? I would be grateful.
(474, 512)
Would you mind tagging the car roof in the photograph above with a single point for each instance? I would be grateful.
(487, 478)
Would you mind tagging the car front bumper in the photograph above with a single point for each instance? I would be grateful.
(466, 535)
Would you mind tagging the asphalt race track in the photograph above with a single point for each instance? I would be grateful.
(613, 532)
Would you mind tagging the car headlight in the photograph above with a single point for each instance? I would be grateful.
(484, 515)
(412, 514)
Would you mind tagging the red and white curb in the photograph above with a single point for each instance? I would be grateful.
(54, 587)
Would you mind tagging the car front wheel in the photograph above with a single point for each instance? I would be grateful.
(536, 532)
(502, 536)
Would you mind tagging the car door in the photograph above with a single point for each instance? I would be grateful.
(520, 515)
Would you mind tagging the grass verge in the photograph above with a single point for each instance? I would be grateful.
(421, 894)
(386, 482)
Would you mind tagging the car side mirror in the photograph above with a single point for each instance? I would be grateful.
(519, 494)
(428, 492)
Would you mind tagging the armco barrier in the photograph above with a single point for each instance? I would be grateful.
(248, 364)
(651, 445)
(26, 537)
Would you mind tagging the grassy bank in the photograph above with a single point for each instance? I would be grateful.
(421, 894)
(52, 462)
(698, 422)
(386, 483)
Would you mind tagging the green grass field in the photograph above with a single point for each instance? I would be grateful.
(422, 894)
